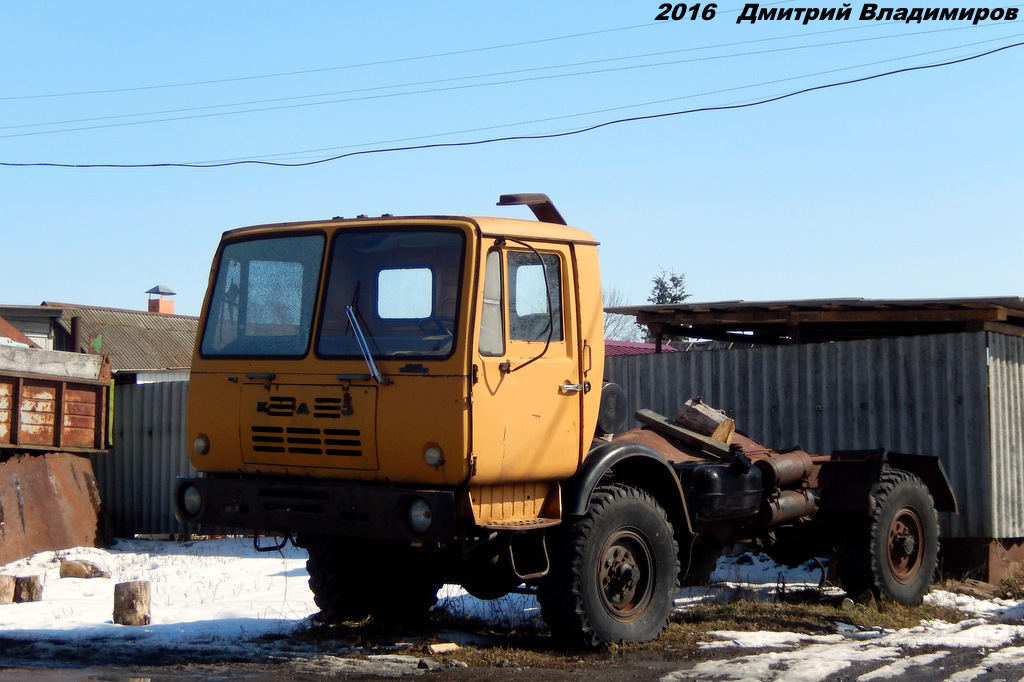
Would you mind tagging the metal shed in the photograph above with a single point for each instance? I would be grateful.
(939, 376)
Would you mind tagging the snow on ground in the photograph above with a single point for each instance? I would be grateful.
(221, 595)
(795, 657)
(212, 592)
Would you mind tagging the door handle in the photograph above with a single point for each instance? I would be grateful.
(572, 388)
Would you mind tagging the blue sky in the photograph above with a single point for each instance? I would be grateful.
(906, 186)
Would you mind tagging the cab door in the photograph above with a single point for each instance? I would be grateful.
(527, 391)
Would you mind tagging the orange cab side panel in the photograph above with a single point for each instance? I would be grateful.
(591, 321)
(529, 422)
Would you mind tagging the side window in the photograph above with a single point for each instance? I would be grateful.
(492, 320)
(534, 286)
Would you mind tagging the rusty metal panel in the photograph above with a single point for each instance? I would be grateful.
(38, 413)
(83, 416)
(7, 393)
(137, 476)
(924, 394)
(47, 501)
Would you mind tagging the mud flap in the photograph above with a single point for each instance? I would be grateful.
(47, 502)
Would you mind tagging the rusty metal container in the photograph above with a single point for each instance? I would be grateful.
(54, 410)
(52, 400)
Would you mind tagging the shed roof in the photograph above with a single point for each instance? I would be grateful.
(613, 347)
(134, 340)
(818, 320)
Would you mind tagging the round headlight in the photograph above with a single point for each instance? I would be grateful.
(433, 456)
(201, 444)
(420, 515)
(191, 500)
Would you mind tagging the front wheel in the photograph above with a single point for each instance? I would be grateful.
(352, 579)
(613, 573)
(895, 553)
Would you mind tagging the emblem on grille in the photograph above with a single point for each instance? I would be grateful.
(323, 408)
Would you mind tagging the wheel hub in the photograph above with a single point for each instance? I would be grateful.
(623, 574)
(904, 543)
(620, 575)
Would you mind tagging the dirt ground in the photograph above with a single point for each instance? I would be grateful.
(369, 651)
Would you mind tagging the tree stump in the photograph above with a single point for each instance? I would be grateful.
(6, 589)
(131, 603)
(29, 588)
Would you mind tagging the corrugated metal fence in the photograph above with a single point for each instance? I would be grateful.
(135, 478)
(958, 396)
(1006, 428)
(927, 394)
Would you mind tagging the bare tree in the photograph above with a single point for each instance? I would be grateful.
(618, 327)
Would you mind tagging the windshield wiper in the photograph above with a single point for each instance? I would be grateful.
(364, 347)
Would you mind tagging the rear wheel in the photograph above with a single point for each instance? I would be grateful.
(353, 579)
(613, 573)
(894, 554)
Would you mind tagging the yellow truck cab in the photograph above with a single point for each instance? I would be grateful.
(419, 400)
(402, 351)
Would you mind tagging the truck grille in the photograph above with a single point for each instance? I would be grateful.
(299, 440)
(330, 427)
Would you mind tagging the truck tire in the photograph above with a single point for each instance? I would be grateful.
(352, 579)
(895, 552)
(613, 573)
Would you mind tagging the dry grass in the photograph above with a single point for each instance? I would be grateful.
(1012, 587)
(810, 613)
(807, 612)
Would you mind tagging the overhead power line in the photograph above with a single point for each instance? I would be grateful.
(324, 69)
(378, 88)
(605, 110)
(546, 136)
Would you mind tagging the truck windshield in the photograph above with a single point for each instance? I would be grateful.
(403, 285)
(263, 298)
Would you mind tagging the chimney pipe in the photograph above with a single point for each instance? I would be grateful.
(160, 301)
(76, 335)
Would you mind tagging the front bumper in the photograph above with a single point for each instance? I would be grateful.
(328, 508)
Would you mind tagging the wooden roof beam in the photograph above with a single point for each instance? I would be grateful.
(811, 316)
